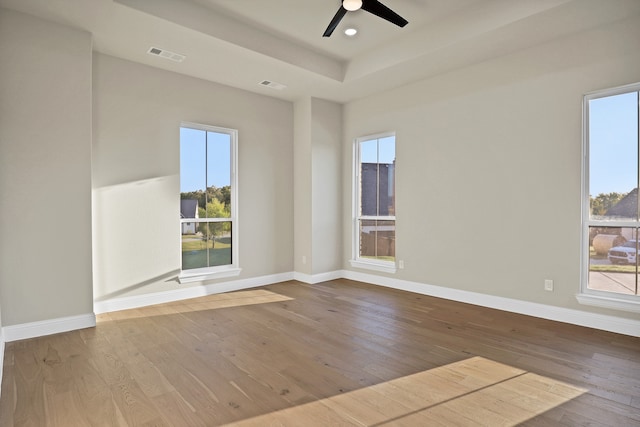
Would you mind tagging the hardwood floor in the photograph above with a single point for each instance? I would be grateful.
(339, 353)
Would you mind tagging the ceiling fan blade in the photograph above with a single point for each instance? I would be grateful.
(378, 9)
(335, 21)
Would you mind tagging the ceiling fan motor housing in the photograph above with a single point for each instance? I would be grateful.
(372, 6)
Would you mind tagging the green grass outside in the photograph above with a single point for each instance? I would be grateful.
(194, 243)
(613, 268)
(198, 259)
(194, 252)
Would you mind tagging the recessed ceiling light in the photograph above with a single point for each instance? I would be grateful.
(351, 32)
(352, 5)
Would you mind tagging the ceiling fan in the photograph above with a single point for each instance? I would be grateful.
(371, 6)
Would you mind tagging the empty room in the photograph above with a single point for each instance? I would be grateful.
(319, 212)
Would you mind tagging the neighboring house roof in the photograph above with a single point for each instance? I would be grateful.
(377, 196)
(188, 208)
(627, 207)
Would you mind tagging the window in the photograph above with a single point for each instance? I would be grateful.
(208, 207)
(611, 212)
(374, 238)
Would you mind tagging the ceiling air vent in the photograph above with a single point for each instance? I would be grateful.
(166, 54)
(272, 85)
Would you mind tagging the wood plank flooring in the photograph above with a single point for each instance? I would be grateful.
(339, 353)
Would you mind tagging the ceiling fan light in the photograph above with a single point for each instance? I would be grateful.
(352, 5)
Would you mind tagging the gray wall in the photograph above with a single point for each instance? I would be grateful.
(45, 170)
(489, 166)
(318, 186)
(137, 115)
(326, 190)
(302, 177)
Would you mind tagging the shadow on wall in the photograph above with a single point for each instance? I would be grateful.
(171, 276)
(136, 236)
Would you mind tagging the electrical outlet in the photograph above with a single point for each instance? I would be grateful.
(548, 285)
(401, 264)
(304, 259)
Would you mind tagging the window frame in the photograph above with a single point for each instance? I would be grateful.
(586, 295)
(357, 261)
(221, 271)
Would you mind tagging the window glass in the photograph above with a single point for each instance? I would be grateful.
(613, 156)
(611, 176)
(375, 221)
(206, 197)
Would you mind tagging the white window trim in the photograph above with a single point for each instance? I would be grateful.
(356, 261)
(223, 271)
(588, 296)
(608, 300)
(382, 266)
(203, 274)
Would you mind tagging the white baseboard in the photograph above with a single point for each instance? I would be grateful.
(318, 278)
(576, 317)
(48, 327)
(566, 315)
(137, 301)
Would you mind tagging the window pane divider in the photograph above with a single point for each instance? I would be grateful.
(605, 223)
(188, 220)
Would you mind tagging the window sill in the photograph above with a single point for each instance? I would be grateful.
(386, 267)
(609, 302)
(186, 277)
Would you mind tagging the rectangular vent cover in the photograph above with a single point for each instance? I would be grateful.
(166, 54)
(272, 85)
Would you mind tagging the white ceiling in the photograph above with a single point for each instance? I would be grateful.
(243, 42)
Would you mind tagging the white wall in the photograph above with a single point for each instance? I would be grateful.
(302, 186)
(317, 187)
(45, 170)
(326, 189)
(137, 115)
(489, 166)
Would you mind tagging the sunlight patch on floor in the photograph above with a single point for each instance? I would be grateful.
(209, 302)
(475, 391)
